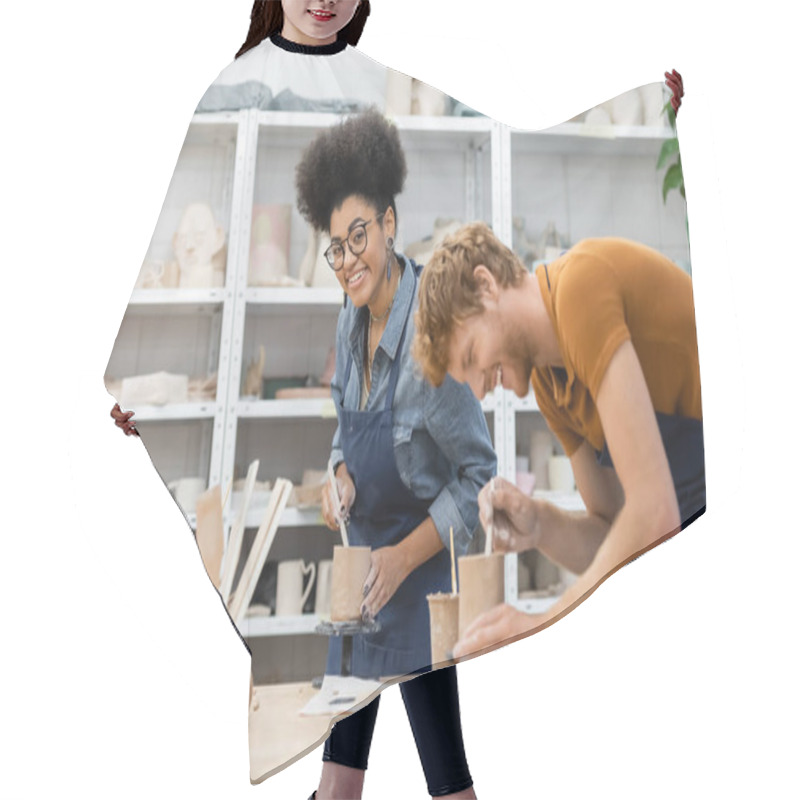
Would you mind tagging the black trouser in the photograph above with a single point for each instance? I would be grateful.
(431, 701)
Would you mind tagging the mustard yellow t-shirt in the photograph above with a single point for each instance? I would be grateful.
(600, 294)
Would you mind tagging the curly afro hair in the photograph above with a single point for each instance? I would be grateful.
(360, 156)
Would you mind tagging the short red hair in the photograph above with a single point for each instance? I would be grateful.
(449, 293)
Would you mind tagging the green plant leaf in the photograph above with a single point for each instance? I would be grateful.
(672, 180)
(670, 112)
(668, 149)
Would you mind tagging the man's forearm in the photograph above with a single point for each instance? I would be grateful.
(632, 532)
(570, 539)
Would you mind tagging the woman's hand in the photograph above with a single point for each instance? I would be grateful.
(675, 85)
(495, 627)
(124, 420)
(389, 569)
(331, 512)
(511, 515)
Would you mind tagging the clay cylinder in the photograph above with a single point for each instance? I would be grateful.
(443, 609)
(481, 586)
(350, 569)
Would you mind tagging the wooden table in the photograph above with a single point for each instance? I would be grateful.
(278, 734)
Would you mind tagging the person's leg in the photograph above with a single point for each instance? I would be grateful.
(345, 755)
(431, 701)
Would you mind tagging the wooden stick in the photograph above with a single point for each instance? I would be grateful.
(337, 499)
(453, 563)
(209, 535)
(259, 551)
(234, 546)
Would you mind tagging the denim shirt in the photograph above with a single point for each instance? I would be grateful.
(442, 446)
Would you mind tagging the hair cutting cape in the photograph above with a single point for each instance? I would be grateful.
(226, 352)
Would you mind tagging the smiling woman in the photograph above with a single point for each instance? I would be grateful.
(292, 19)
(316, 22)
(409, 459)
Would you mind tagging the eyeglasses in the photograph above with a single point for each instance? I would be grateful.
(356, 242)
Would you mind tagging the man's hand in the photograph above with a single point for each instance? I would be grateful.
(675, 85)
(495, 627)
(511, 515)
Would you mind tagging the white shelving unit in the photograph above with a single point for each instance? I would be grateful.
(465, 168)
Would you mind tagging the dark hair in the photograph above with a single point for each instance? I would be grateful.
(266, 18)
(360, 156)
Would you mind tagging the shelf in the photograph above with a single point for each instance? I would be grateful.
(176, 300)
(535, 605)
(292, 516)
(177, 411)
(302, 409)
(571, 138)
(295, 298)
(217, 118)
(296, 129)
(443, 124)
(279, 626)
(412, 122)
(321, 408)
(309, 408)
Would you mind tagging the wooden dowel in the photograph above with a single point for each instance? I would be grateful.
(453, 563)
(337, 500)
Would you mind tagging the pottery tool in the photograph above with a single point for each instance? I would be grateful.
(339, 693)
(259, 551)
(453, 563)
(337, 503)
(234, 546)
(490, 526)
(209, 534)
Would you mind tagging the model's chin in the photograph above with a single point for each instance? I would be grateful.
(359, 292)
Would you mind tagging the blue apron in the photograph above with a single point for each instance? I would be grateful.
(683, 443)
(385, 511)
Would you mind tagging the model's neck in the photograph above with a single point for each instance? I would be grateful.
(294, 34)
(385, 297)
(315, 49)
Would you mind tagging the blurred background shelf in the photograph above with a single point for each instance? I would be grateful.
(586, 180)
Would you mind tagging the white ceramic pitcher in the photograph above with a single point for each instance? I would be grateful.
(290, 595)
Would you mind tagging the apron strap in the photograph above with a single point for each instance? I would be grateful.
(347, 376)
(395, 373)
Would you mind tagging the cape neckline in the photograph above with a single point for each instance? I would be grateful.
(308, 49)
